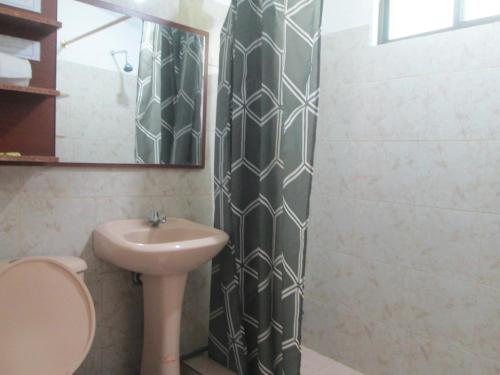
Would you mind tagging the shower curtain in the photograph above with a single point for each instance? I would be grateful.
(169, 96)
(264, 144)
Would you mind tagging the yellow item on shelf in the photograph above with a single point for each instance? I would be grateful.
(14, 154)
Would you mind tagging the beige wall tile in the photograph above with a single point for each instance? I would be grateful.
(387, 171)
(9, 229)
(489, 256)
(123, 358)
(447, 242)
(451, 174)
(121, 317)
(384, 232)
(55, 226)
(485, 340)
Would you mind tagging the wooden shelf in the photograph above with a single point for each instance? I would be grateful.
(29, 90)
(28, 113)
(28, 20)
(29, 159)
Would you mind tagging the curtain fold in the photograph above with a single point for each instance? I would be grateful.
(264, 144)
(169, 96)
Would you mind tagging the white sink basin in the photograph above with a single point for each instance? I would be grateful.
(178, 246)
(164, 255)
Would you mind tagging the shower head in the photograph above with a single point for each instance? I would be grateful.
(127, 68)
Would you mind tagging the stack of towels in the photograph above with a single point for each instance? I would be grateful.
(14, 70)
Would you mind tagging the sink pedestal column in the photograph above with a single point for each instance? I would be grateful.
(163, 296)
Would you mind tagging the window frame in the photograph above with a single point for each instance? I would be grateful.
(459, 22)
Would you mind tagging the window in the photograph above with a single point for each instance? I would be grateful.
(401, 19)
(477, 9)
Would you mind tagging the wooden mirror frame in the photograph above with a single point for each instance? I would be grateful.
(161, 21)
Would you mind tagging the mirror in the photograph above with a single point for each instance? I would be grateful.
(133, 88)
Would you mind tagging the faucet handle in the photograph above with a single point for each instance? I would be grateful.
(156, 219)
(154, 215)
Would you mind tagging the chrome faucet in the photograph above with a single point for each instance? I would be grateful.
(155, 219)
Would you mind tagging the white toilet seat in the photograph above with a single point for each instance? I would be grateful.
(47, 318)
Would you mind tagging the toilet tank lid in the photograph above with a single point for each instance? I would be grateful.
(75, 264)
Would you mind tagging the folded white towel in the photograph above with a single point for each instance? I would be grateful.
(14, 70)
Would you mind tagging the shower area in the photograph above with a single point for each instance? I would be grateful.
(403, 264)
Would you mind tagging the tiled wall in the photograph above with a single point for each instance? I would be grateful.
(403, 269)
(110, 96)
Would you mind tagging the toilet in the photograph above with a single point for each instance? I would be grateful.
(47, 317)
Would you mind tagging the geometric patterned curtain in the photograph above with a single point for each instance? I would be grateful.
(169, 96)
(265, 135)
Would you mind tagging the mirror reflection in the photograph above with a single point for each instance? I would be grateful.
(133, 90)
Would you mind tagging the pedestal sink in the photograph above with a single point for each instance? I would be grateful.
(164, 256)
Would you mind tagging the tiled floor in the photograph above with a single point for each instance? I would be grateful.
(312, 364)
(316, 364)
